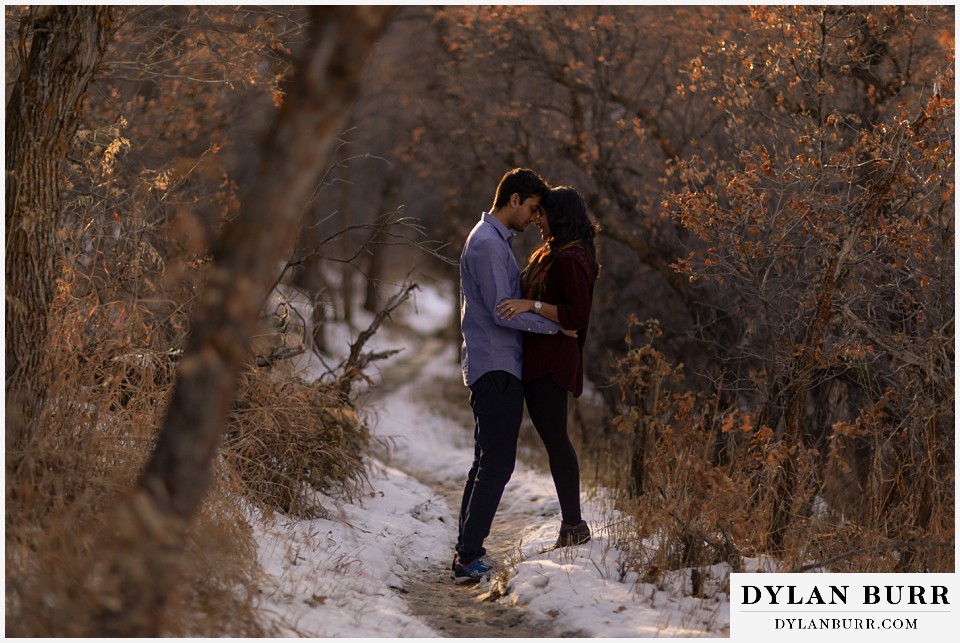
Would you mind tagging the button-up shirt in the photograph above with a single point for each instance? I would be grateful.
(488, 275)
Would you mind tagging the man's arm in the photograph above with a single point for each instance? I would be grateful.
(489, 264)
(572, 312)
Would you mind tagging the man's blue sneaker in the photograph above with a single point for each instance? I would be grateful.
(472, 572)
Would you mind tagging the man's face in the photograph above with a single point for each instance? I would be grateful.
(524, 213)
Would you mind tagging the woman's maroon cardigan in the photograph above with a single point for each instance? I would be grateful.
(568, 285)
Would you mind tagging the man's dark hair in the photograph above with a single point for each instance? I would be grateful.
(522, 181)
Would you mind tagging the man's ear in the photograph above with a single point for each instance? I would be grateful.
(515, 200)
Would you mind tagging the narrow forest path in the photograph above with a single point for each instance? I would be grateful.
(473, 610)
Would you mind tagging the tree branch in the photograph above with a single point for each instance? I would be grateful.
(353, 368)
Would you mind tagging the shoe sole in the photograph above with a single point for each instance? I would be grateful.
(472, 578)
(556, 546)
(466, 580)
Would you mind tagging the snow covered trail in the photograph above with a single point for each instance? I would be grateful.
(581, 591)
(381, 568)
(460, 611)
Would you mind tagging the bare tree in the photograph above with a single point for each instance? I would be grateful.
(65, 48)
(246, 260)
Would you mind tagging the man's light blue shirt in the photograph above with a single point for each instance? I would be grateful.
(489, 274)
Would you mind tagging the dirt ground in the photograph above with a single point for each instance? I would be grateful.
(477, 610)
(472, 610)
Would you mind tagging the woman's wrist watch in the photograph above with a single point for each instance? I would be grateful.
(537, 305)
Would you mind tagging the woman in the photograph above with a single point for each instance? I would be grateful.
(558, 284)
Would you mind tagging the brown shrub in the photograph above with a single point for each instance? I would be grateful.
(111, 380)
(287, 439)
(702, 482)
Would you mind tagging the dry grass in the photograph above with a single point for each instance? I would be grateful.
(286, 439)
(701, 506)
(67, 474)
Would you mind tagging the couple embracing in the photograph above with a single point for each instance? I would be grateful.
(523, 337)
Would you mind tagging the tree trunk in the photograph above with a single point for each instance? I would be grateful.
(250, 249)
(310, 278)
(66, 46)
(376, 270)
(638, 460)
(346, 268)
(796, 392)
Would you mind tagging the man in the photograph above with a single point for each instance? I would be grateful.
(491, 359)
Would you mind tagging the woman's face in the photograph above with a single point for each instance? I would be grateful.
(543, 224)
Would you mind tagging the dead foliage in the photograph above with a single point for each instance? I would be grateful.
(702, 481)
(287, 439)
(111, 381)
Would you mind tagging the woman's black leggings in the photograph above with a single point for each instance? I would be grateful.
(547, 406)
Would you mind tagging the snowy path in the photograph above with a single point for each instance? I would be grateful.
(380, 567)
(462, 611)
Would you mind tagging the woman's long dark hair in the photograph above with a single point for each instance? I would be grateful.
(570, 225)
(569, 222)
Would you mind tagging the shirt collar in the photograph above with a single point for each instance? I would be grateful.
(505, 232)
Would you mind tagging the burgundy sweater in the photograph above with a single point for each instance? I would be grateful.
(569, 285)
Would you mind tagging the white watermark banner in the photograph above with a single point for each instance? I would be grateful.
(844, 607)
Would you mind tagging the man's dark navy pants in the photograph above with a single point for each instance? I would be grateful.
(497, 402)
